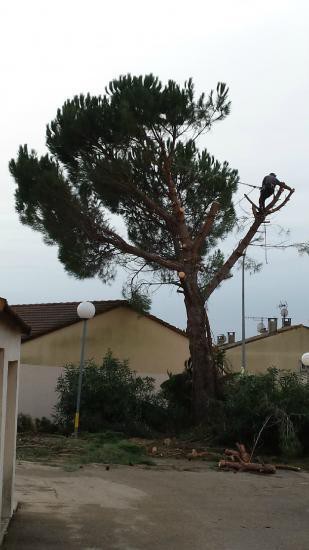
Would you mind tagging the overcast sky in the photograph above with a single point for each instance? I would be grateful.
(53, 50)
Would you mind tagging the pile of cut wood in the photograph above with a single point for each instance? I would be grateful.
(241, 461)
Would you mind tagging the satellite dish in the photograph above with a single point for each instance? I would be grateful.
(261, 327)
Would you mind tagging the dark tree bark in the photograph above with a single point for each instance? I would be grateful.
(204, 375)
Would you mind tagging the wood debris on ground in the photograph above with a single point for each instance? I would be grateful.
(240, 460)
(171, 447)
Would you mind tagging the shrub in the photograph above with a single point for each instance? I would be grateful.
(25, 423)
(276, 400)
(45, 426)
(274, 405)
(113, 397)
(177, 391)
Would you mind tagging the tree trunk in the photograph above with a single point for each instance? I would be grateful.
(204, 376)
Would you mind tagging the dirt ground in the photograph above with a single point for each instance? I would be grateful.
(167, 507)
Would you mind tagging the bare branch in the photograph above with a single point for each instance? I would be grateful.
(259, 218)
(254, 206)
(283, 203)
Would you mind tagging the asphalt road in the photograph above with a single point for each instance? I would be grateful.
(130, 508)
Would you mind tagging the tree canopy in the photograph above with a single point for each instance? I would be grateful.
(131, 152)
(132, 155)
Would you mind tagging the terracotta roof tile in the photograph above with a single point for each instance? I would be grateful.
(13, 315)
(45, 318)
(262, 336)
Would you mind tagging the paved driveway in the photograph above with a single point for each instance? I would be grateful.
(138, 509)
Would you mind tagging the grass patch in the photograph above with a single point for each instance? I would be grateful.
(109, 448)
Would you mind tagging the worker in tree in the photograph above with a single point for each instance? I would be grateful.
(268, 188)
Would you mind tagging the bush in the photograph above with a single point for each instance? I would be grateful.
(277, 400)
(177, 391)
(113, 397)
(25, 423)
(45, 426)
(275, 403)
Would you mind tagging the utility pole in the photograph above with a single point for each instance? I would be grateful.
(243, 319)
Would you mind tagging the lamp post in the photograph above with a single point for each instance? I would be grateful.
(85, 311)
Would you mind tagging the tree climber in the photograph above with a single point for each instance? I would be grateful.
(268, 188)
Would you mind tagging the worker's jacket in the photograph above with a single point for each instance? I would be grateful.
(269, 183)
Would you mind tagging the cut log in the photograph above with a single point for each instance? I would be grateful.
(287, 467)
(248, 467)
(245, 457)
(233, 454)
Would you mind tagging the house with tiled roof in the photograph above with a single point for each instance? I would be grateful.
(281, 349)
(152, 346)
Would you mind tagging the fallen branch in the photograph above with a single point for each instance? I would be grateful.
(233, 454)
(248, 467)
(244, 456)
(241, 460)
(287, 467)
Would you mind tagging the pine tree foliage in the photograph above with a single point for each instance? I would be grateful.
(113, 154)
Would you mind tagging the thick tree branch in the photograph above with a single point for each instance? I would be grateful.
(118, 242)
(206, 227)
(153, 206)
(128, 187)
(236, 254)
(176, 204)
(287, 198)
(259, 218)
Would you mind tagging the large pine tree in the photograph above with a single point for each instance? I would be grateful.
(133, 152)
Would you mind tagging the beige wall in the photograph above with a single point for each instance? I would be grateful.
(150, 346)
(9, 378)
(282, 350)
(37, 395)
(152, 350)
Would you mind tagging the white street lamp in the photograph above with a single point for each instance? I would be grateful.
(85, 311)
(305, 359)
(243, 318)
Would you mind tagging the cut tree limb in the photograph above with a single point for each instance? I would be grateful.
(248, 467)
(287, 467)
(233, 454)
(244, 456)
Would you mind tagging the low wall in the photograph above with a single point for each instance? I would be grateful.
(37, 395)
